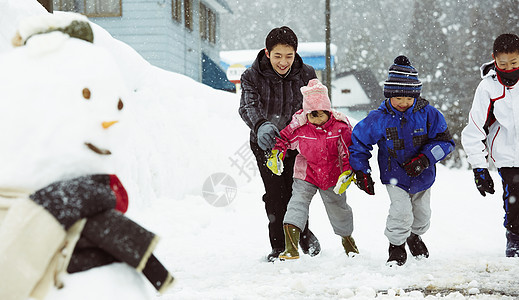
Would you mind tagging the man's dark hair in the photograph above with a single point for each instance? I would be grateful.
(282, 35)
(506, 43)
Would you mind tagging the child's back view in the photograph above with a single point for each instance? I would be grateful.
(322, 137)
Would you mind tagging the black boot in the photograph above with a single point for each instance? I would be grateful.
(274, 254)
(512, 244)
(417, 246)
(309, 243)
(397, 255)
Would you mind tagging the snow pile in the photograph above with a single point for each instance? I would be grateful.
(176, 132)
(174, 140)
(165, 145)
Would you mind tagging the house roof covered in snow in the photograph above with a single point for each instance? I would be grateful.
(220, 6)
(312, 53)
(357, 88)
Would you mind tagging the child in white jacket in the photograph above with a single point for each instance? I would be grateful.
(493, 131)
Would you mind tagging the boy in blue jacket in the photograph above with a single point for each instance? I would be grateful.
(412, 136)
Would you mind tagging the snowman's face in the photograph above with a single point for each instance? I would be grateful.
(105, 124)
(61, 101)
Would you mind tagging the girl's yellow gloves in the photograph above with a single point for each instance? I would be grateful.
(344, 181)
(275, 162)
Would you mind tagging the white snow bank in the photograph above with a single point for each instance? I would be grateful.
(177, 132)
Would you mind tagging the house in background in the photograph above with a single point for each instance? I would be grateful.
(356, 92)
(312, 54)
(175, 35)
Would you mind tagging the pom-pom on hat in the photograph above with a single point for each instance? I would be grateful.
(315, 97)
(402, 80)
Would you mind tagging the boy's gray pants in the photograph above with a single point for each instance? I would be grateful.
(407, 213)
(339, 212)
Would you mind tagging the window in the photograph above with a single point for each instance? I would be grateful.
(212, 26)
(176, 10)
(68, 5)
(90, 8)
(207, 24)
(188, 14)
(203, 21)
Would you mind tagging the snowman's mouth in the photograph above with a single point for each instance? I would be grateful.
(98, 150)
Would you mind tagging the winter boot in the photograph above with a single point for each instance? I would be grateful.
(291, 241)
(309, 243)
(349, 246)
(512, 244)
(397, 255)
(417, 246)
(274, 254)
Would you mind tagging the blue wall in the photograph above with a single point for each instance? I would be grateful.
(148, 27)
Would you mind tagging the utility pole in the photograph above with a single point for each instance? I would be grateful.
(328, 70)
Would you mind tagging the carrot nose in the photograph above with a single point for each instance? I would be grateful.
(107, 125)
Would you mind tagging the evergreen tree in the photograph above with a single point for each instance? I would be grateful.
(506, 17)
(430, 55)
(447, 41)
(429, 50)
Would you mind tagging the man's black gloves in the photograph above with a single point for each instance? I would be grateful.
(484, 182)
(364, 182)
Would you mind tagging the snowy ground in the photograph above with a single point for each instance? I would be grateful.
(218, 253)
(179, 132)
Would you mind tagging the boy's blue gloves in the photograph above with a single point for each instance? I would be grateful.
(344, 182)
(275, 162)
(484, 182)
(267, 133)
(364, 182)
(416, 165)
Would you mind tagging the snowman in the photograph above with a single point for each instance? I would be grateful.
(61, 205)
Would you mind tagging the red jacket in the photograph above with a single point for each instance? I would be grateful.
(323, 150)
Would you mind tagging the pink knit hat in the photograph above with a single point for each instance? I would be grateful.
(315, 97)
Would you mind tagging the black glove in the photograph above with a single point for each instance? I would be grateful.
(364, 182)
(416, 165)
(484, 182)
(267, 133)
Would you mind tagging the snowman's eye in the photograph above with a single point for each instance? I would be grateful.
(86, 93)
(120, 105)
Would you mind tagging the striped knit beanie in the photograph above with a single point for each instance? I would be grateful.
(402, 80)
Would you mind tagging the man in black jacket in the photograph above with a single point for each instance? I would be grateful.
(270, 96)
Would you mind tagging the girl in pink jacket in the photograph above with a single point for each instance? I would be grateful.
(322, 137)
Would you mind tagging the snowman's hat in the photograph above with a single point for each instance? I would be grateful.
(72, 24)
